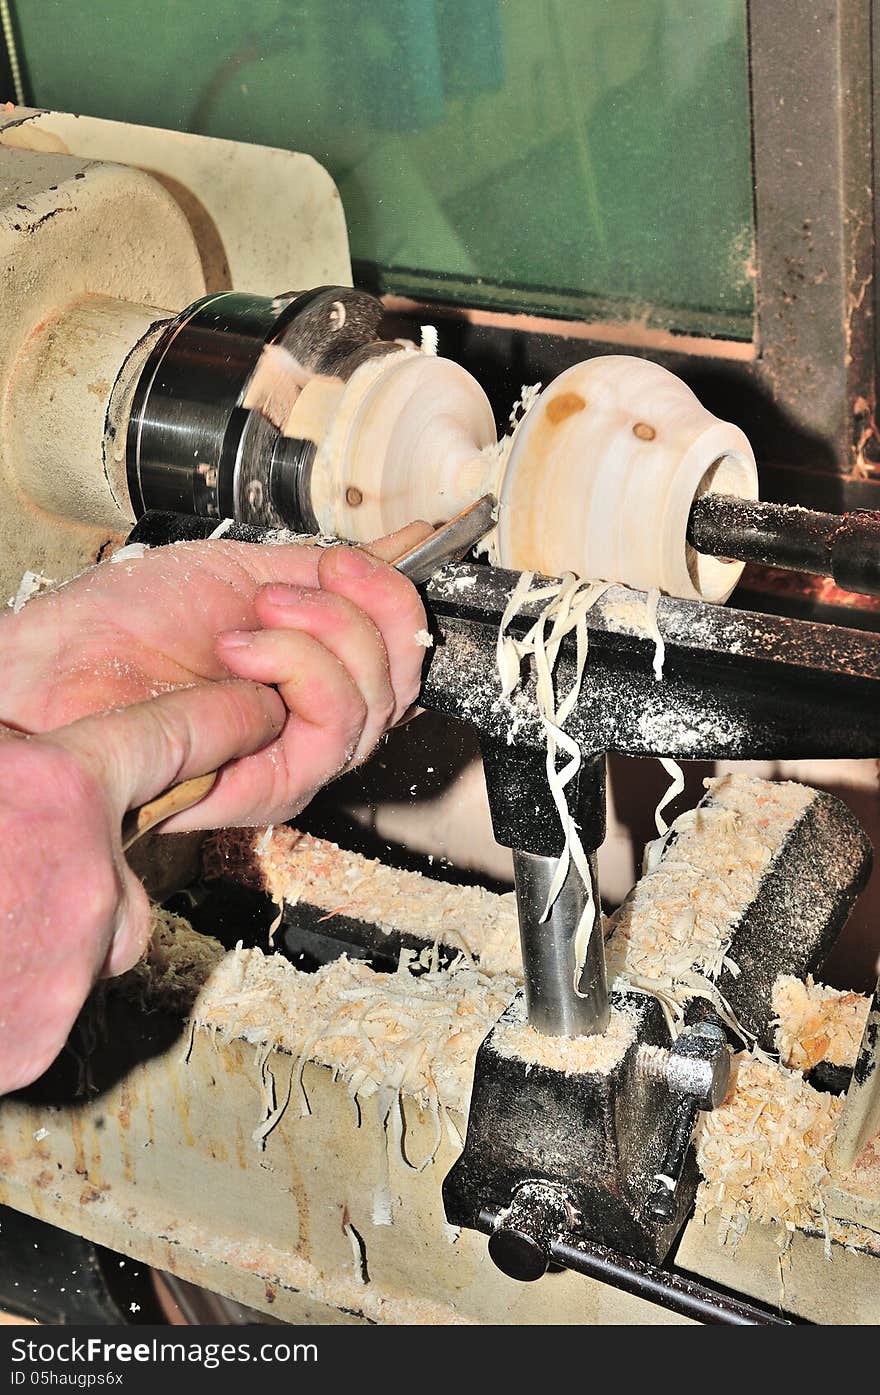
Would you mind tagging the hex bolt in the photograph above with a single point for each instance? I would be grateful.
(697, 1068)
(697, 1065)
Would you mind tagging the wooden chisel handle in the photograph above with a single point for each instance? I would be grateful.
(173, 801)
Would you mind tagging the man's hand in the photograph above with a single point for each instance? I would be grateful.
(70, 907)
(180, 653)
(333, 629)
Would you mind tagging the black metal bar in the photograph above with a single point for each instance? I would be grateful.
(855, 552)
(771, 535)
(736, 685)
(701, 1302)
(845, 547)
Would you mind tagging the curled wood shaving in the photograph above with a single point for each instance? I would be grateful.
(567, 604)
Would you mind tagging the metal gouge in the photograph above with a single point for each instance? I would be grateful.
(448, 543)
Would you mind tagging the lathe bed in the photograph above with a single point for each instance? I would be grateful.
(233, 1126)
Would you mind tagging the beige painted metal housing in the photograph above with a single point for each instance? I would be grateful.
(106, 230)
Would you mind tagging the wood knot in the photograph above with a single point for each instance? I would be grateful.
(353, 496)
(644, 431)
(563, 405)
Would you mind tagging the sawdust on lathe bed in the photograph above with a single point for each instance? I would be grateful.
(416, 1032)
(680, 917)
(293, 866)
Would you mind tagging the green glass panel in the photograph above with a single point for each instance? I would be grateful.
(579, 157)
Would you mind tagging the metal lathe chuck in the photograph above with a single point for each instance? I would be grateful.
(205, 433)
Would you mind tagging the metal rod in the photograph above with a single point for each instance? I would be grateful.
(672, 1291)
(549, 953)
(843, 546)
(771, 535)
(679, 1293)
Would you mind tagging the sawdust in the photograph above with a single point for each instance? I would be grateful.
(762, 1153)
(673, 932)
(595, 1055)
(176, 964)
(293, 866)
(816, 1023)
(411, 1032)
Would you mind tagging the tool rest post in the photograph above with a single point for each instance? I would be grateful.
(555, 1006)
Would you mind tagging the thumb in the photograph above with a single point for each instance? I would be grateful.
(134, 753)
(137, 752)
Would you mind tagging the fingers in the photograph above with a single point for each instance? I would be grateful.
(349, 634)
(137, 752)
(393, 605)
(132, 928)
(328, 715)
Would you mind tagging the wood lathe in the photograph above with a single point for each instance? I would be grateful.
(574, 1087)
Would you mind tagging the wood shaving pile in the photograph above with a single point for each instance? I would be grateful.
(762, 1153)
(293, 866)
(595, 1055)
(404, 1032)
(627, 612)
(816, 1023)
(176, 964)
(673, 932)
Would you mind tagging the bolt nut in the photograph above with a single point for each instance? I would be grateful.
(696, 1065)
